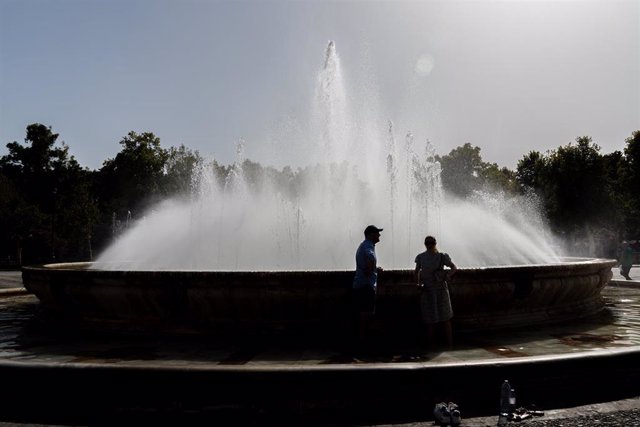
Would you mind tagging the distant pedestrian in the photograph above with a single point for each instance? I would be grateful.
(365, 282)
(435, 302)
(626, 260)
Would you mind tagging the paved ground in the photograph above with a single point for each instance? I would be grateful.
(634, 274)
(608, 414)
(10, 279)
(615, 413)
(616, 329)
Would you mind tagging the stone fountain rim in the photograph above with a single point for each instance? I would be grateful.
(89, 268)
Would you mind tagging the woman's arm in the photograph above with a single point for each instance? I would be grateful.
(453, 270)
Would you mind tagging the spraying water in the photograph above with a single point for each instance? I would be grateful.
(357, 175)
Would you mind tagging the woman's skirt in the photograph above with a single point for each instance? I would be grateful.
(435, 304)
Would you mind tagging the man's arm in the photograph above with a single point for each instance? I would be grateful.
(370, 266)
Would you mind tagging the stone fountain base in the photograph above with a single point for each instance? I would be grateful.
(307, 302)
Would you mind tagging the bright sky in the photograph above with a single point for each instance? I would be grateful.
(507, 76)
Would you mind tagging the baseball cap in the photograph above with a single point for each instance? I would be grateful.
(371, 229)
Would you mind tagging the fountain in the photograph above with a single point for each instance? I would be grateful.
(236, 260)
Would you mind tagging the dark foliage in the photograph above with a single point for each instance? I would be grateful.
(53, 209)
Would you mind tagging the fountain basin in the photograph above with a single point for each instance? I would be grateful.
(239, 303)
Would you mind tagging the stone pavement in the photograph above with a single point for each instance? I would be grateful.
(634, 273)
(624, 412)
(10, 279)
(612, 413)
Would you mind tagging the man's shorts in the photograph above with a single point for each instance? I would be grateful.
(364, 299)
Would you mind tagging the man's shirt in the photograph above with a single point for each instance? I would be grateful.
(365, 255)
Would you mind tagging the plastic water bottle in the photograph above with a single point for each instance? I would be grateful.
(512, 401)
(505, 395)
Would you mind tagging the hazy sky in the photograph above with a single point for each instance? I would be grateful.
(507, 76)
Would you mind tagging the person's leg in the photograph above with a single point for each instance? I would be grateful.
(366, 309)
(363, 328)
(354, 317)
(447, 329)
(357, 327)
(431, 335)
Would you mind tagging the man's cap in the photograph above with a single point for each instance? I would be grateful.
(371, 229)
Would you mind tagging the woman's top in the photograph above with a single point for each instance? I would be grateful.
(429, 262)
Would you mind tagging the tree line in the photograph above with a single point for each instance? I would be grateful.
(585, 194)
(53, 209)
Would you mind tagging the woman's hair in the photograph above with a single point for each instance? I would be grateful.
(429, 241)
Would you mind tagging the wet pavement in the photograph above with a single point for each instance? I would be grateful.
(10, 279)
(22, 338)
(617, 329)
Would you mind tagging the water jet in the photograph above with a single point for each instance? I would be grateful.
(234, 259)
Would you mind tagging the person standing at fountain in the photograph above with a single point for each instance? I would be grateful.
(626, 260)
(365, 281)
(435, 302)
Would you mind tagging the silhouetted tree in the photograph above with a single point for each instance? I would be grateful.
(574, 185)
(51, 185)
(501, 179)
(464, 172)
(531, 169)
(18, 221)
(577, 186)
(132, 180)
(49, 203)
(629, 187)
(180, 166)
